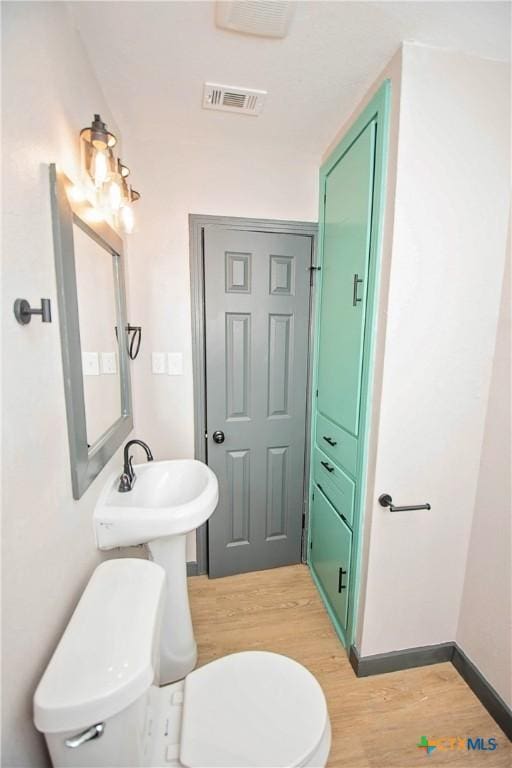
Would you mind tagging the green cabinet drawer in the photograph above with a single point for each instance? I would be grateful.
(336, 485)
(336, 443)
(330, 554)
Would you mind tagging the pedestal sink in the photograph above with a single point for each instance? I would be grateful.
(168, 500)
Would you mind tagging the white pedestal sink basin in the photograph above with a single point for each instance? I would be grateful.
(168, 500)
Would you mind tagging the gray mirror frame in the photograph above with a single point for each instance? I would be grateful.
(86, 463)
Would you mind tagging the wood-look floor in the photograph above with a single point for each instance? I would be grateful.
(376, 721)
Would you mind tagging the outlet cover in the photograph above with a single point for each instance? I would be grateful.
(108, 363)
(175, 364)
(90, 364)
(158, 362)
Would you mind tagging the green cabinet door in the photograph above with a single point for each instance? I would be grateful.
(346, 246)
(330, 548)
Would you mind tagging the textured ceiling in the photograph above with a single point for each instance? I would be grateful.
(153, 58)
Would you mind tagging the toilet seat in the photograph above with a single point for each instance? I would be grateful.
(252, 709)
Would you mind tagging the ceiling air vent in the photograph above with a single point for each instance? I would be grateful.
(245, 101)
(267, 18)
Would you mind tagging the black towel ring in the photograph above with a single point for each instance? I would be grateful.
(133, 342)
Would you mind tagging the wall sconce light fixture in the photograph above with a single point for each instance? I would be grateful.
(106, 174)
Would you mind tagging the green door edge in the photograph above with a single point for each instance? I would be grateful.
(376, 110)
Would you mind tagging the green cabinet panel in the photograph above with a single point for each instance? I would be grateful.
(330, 552)
(352, 196)
(335, 483)
(346, 248)
(336, 443)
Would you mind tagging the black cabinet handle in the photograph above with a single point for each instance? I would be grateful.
(341, 574)
(355, 297)
(327, 466)
(330, 440)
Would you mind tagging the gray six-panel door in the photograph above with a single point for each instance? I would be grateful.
(257, 328)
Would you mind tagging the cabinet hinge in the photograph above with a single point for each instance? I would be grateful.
(316, 393)
(303, 520)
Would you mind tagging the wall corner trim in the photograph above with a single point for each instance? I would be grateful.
(394, 661)
(492, 701)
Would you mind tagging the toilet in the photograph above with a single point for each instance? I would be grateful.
(99, 707)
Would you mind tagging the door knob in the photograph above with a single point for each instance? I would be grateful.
(218, 437)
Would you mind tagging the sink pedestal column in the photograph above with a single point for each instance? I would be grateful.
(178, 654)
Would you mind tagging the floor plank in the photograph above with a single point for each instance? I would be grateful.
(376, 721)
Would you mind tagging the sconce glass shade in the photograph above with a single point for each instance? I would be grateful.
(97, 143)
(115, 194)
(98, 167)
(126, 214)
(123, 169)
(97, 134)
(114, 190)
(127, 218)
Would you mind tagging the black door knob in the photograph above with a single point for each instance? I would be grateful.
(218, 436)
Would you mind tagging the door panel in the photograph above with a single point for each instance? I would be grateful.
(238, 470)
(346, 245)
(331, 542)
(257, 329)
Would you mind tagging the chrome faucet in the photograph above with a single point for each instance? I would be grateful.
(127, 479)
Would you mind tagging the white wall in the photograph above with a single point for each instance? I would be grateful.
(49, 93)
(485, 622)
(179, 179)
(447, 261)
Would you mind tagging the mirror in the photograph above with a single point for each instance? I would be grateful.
(92, 309)
(95, 282)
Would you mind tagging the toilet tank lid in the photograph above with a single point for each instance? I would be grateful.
(104, 660)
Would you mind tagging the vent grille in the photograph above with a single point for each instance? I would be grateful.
(245, 101)
(234, 99)
(267, 18)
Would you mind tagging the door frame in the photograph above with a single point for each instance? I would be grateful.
(198, 223)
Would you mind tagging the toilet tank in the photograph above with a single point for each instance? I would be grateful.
(102, 673)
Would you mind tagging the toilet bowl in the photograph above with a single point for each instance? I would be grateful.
(98, 706)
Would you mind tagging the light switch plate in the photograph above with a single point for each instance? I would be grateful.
(108, 362)
(175, 364)
(158, 362)
(90, 364)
